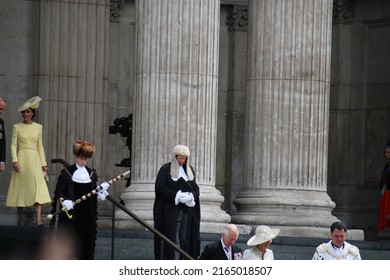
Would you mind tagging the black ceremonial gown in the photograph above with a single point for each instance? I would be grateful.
(2, 141)
(165, 215)
(83, 223)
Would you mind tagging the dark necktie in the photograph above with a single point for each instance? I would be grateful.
(227, 250)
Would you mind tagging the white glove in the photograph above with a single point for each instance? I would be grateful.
(68, 204)
(177, 197)
(102, 194)
(186, 197)
(105, 186)
(183, 197)
(190, 204)
(190, 201)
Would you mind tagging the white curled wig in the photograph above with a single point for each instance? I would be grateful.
(181, 150)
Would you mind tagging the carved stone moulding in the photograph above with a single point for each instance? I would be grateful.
(342, 11)
(237, 19)
(116, 8)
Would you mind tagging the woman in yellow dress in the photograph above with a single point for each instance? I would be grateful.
(27, 186)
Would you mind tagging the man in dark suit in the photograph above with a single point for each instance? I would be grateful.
(224, 249)
(2, 136)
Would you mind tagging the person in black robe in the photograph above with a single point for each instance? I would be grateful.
(384, 201)
(2, 136)
(176, 210)
(75, 181)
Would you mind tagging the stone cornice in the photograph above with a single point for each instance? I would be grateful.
(234, 2)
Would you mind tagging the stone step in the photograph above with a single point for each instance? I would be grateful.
(24, 243)
(138, 245)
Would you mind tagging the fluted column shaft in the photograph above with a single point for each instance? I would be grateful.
(72, 77)
(175, 100)
(289, 51)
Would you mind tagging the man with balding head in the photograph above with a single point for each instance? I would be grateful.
(225, 248)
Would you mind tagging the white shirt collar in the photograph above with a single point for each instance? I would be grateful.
(182, 173)
(81, 175)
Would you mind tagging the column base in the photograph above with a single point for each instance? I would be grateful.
(318, 232)
(139, 199)
(298, 213)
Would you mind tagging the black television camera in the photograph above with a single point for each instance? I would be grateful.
(123, 127)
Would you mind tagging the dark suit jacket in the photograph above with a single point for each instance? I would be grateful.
(2, 141)
(214, 251)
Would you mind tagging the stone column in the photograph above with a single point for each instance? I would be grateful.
(175, 102)
(72, 77)
(285, 180)
(235, 69)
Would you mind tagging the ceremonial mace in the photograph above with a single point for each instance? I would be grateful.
(86, 196)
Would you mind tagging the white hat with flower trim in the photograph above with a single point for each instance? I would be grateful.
(32, 103)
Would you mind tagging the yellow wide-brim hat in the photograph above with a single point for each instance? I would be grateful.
(32, 103)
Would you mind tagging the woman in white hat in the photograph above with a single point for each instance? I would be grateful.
(259, 244)
(28, 186)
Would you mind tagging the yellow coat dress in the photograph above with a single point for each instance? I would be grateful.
(28, 186)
